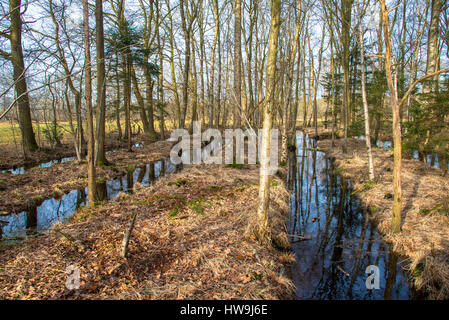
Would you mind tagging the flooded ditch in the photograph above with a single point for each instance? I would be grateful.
(41, 217)
(333, 237)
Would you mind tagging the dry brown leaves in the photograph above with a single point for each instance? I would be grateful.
(190, 241)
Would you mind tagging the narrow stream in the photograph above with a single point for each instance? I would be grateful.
(333, 238)
(42, 217)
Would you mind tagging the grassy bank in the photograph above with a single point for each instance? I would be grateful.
(425, 230)
(192, 240)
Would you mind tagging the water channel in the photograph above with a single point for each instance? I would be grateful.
(41, 217)
(333, 237)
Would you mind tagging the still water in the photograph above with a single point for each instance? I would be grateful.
(40, 218)
(333, 238)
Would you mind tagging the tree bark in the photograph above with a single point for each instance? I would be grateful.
(23, 101)
(237, 63)
(291, 64)
(264, 182)
(433, 52)
(346, 41)
(365, 101)
(101, 86)
(90, 124)
(397, 187)
(185, 93)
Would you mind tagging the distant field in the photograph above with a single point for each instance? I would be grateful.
(10, 133)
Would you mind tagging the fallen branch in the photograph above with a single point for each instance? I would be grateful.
(71, 239)
(125, 242)
(299, 238)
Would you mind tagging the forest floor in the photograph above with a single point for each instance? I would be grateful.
(22, 191)
(192, 240)
(425, 230)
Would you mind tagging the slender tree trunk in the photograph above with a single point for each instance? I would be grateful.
(397, 188)
(117, 105)
(161, 74)
(237, 62)
(185, 92)
(334, 112)
(264, 184)
(140, 102)
(291, 64)
(194, 85)
(365, 101)
(101, 85)
(211, 95)
(127, 100)
(90, 123)
(346, 27)
(172, 68)
(149, 101)
(433, 42)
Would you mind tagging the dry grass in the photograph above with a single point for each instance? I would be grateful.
(191, 241)
(424, 239)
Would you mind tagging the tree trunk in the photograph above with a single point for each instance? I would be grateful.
(237, 63)
(90, 123)
(211, 95)
(117, 105)
(365, 101)
(346, 41)
(433, 52)
(161, 76)
(101, 86)
(264, 182)
(140, 102)
(291, 64)
(397, 188)
(127, 98)
(185, 92)
(23, 102)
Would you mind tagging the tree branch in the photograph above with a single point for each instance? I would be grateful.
(414, 84)
(5, 55)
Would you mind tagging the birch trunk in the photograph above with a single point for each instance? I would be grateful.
(365, 101)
